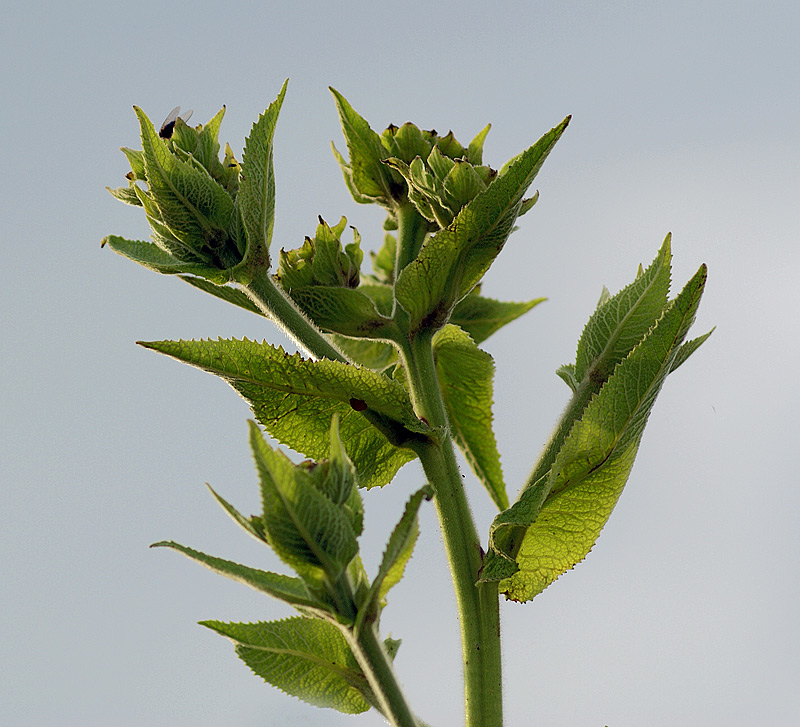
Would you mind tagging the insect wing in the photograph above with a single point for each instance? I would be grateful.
(169, 123)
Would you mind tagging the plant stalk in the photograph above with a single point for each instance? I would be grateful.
(377, 666)
(478, 607)
(282, 311)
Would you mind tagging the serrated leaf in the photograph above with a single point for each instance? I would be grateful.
(294, 399)
(465, 375)
(151, 256)
(370, 177)
(452, 261)
(620, 322)
(560, 516)
(481, 317)
(256, 196)
(395, 557)
(308, 531)
(307, 658)
(285, 588)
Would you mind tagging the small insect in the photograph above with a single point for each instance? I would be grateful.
(169, 123)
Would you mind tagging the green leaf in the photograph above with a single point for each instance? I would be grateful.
(305, 528)
(481, 317)
(190, 203)
(346, 311)
(374, 355)
(452, 261)
(475, 149)
(370, 177)
(285, 588)
(383, 261)
(395, 557)
(256, 197)
(224, 292)
(465, 375)
(294, 399)
(559, 517)
(252, 525)
(620, 322)
(566, 373)
(151, 256)
(126, 194)
(688, 348)
(307, 658)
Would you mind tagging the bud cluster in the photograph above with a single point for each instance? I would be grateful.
(187, 192)
(323, 260)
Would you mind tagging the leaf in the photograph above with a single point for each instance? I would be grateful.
(566, 373)
(374, 355)
(481, 317)
(346, 311)
(224, 292)
(306, 529)
(294, 399)
(395, 557)
(285, 588)
(465, 375)
(620, 322)
(475, 150)
(151, 256)
(688, 348)
(253, 525)
(560, 516)
(307, 658)
(370, 177)
(256, 197)
(452, 261)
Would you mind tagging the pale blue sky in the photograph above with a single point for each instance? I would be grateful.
(686, 118)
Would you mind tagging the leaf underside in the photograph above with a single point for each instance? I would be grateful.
(294, 399)
(307, 658)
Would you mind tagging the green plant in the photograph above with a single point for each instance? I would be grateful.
(392, 371)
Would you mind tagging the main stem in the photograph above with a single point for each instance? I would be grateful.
(478, 607)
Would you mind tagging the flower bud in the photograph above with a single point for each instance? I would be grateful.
(323, 260)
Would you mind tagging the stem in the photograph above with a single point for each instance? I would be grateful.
(411, 230)
(478, 607)
(377, 667)
(280, 309)
(375, 663)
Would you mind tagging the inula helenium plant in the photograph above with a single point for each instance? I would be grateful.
(391, 370)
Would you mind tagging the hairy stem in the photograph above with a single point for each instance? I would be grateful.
(377, 666)
(411, 231)
(478, 607)
(280, 309)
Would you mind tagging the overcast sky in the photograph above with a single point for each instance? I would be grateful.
(686, 118)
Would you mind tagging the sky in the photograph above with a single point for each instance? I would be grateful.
(686, 119)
